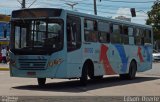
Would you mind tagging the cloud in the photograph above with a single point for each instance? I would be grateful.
(140, 15)
(7, 5)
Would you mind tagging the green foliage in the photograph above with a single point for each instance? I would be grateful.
(154, 19)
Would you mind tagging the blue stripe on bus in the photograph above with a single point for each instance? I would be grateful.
(148, 54)
(123, 57)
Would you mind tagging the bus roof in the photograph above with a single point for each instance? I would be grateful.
(108, 19)
(79, 14)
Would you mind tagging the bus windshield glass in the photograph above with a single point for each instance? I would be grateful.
(45, 35)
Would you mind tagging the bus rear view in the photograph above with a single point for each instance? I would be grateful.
(37, 44)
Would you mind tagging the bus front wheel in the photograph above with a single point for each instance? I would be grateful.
(41, 81)
(84, 75)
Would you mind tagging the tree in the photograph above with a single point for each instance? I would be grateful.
(154, 19)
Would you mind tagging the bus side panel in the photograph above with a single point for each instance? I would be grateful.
(119, 57)
(144, 55)
(115, 58)
(74, 63)
(91, 51)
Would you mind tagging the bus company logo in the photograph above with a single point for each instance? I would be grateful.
(55, 62)
(88, 50)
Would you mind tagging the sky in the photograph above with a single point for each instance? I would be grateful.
(106, 8)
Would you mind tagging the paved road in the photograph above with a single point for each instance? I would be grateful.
(155, 69)
(146, 84)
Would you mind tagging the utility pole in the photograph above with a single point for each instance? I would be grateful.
(24, 4)
(95, 7)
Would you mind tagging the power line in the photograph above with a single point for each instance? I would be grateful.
(23, 3)
(129, 1)
(112, 6)
(104, 11)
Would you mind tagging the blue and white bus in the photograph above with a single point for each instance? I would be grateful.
(57, 43)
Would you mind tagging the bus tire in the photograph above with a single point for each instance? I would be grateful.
(84, 75)
(41, 81)
(132, 71)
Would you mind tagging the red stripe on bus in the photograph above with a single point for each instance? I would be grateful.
(140, 54)
(104, 60)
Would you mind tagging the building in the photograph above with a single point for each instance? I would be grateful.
(123, 18)
(4, 30)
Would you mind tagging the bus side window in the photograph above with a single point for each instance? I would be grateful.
(70, 37)
(147, 37)
(104, 31)
(95, 26)
(124, 36)
(137, 36)
(73, 33)
(142, 33)
(115, 36)
(131, 35)
(90, 30)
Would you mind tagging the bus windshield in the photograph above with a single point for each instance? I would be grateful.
(42, 35)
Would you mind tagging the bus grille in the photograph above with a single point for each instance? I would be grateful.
(32, 64)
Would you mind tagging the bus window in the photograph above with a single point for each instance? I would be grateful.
(23, 36)
(116, 29)
(38, 33)
(90, 31)
(147, 36)
(95, 26)
(137, 36)
(124, 35)
(54, 30)
(104, 31)
(103, 27)
(17, 36)
(20, 35)
(73, 33)
(125, 30)
(115, 36)
(142, 32)
(131, 37)
(89, 24)
(130, 31)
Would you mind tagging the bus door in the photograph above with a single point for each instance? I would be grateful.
(74, 54)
